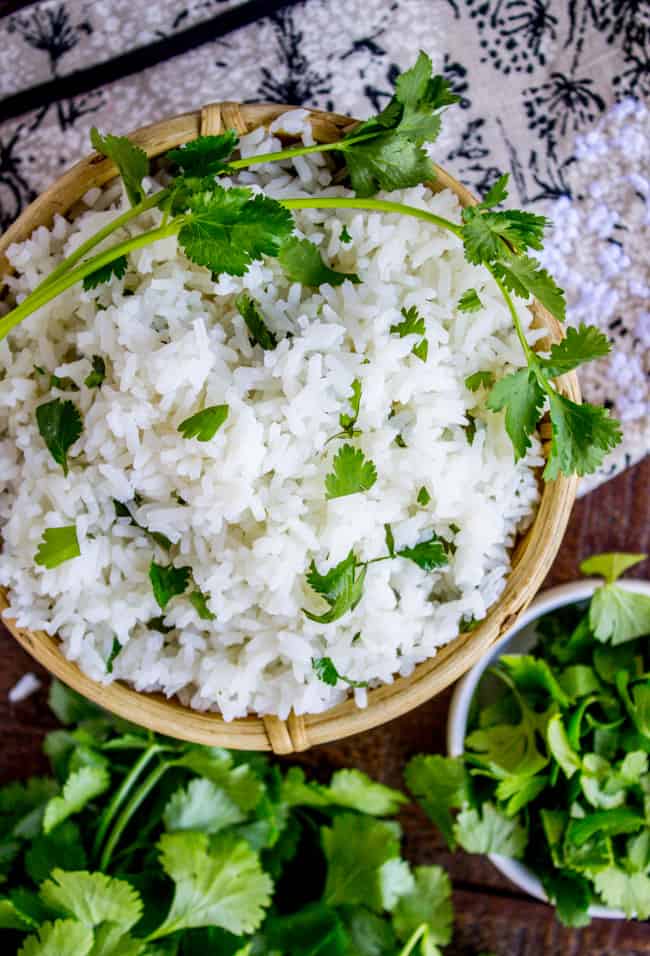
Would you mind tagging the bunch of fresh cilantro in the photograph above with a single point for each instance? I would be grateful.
(140, 845)
(555, 771)
(225, 228)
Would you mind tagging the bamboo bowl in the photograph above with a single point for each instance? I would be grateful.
(531, 559)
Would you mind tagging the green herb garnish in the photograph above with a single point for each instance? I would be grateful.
(351, 473)
(199, 602)
(303, 262)
(60, 426)
(168, 581)
(413, 324)
(341, 587)
(95, 379)
(205, 424)
(58, 545)
(326, 671)
(117, 267)
(469, 301)
(260, 333)
(131, 161)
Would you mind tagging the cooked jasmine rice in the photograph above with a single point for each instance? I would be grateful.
(247, 510)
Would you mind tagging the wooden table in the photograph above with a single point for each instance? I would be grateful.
(491, 914)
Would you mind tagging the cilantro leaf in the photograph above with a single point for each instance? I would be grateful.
(388, 161)
(429, 903)
(357, 850)
(428, 555)
(348, 788)
(627, 891)
(114, 653)
(423, 497)
(218, 882)
(131, 161)
(115, 268)
(560, 748)
(479, 380)
(385, 152)
(489, 831)
(168, 581)
(12, 917)
(580, 345)
(60, 426)
(611, 564)
(205, 424)
(227, 229)
(351, 473)
(96, 378)
(582, 436)
(239, 781)
(302, 262)
(199, 602)
(522, 397)
(316, 928)
(497, 193)
(201, 805)
(327, 672)
(57, 546)
(604, 823)
(524, 276)
(62, 848)
(80, 788)
(469, 301)
(93, 898)
(484, 233)
(618, 615)
(205, 155)
(413, 324)
(439, 784)
(260, 333)
(341, 587)
(345, 236)
(63, 937)
(571, 895)
(347, 422)
(532, 675)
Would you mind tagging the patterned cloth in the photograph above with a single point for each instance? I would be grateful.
(551, 90)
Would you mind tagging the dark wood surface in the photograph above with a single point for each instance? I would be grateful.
(491, 914)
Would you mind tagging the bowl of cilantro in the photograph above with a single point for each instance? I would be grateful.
(548, 738)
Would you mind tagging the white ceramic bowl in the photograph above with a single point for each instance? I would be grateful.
(520, 640)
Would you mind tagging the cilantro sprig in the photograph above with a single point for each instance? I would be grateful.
(138, 843)
(555, 770)
(342, 585)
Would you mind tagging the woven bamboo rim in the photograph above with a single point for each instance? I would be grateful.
(531, 560)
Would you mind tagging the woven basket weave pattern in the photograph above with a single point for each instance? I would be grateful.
(531, 559)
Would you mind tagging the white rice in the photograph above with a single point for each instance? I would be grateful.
(256, 512)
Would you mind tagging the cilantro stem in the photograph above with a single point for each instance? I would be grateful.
(341, 145)
(122, 793)
(281, 154)
(413, 940)
(528, 352)
(122, 821)
(150, 202)
(378, 205)
(41, 297)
